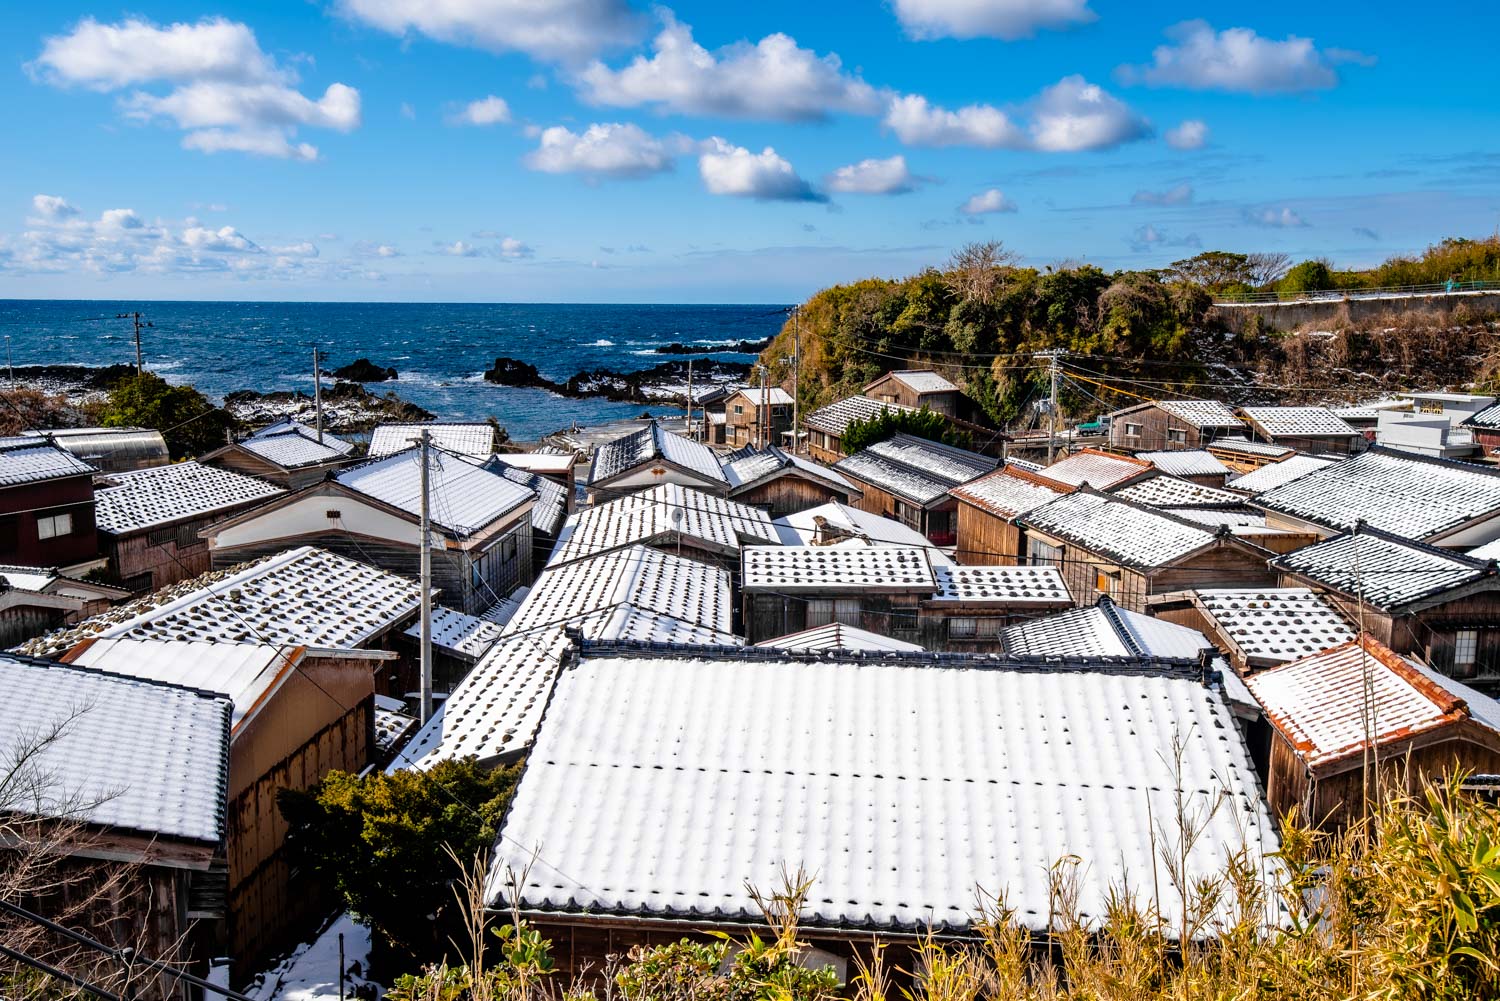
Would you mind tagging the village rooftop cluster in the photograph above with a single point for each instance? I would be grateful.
(921, 672)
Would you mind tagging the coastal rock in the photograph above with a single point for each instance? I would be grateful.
(347, 407)
(727, 347)
(666, 382)
(364, 370)
(514, 372)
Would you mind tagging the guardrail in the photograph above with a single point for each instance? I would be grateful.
(1339, 295)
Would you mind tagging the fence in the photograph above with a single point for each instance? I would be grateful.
(1339, 295)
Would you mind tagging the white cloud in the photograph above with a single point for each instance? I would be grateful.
(610, 149)
(220, 87)
(1070, 116)
(225, 238)
(509, 248)
(1148, 237)
(772, 79)
(1007, 19)
(727, 169)
(557, 30)
(408, 112)
(1238, 59)
(489, 110)
(1179, 195)
(303, 248)
(992, 200)
(52, 207)
(1191, 134)
(874, 177)
(513, 248)
(1273, 218)
(918, 123)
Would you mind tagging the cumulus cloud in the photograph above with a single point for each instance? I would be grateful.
(1148, 237)
(219, 87)
(986, 202)
(727, 169)
(569, 31)
(1070, 116)
(1191, 134)
(874, 177)
(489, 110)
(508, 248)
(1274, 218)
(52, 207)
(1007, 19)
(1239, 60)
(1179, 195)
(772, 79)
(610, 149)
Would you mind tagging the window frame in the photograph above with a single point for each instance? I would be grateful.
(47, 526)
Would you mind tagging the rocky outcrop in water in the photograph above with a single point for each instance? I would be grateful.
(347, 407)
(666, 382)
(364, 370)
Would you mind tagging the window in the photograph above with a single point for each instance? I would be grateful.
(738, 409)
(508, 548)
(1132, 430)
(1043, 554)
(822, 611)
(1106, 582)
(1465, 650)
(962, 628)
(1177, 436)
(50, 526)
(778, 411)
(903, 620)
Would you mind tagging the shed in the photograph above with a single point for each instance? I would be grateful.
(111, 450)
(288, 453)
(1167, 424)
(1312, 429)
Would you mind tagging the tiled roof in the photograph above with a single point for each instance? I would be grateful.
(1008, 492)
(550, 506)
(28, 578)
(305, 596)
(801, 529)
(1275, 474)
(555, 463)
(1275, 624)
(653, 443)
(25, 460)
(292, 444)
(1488, 418)
(1298, 421)
(837, 568)
(1236, 518)
(897, 478)
(835, 417)
(1134, 536)
(1186, 462)
(1399, 492)
(757, 756)
(952, 465)
(476, 440)
(1169, 491)
(978, 585)
(502, 611)
(1103, 630)
(463, 496)
(922, 380)
(1387, 570)
(1099, 470)
(835, 636)
(136, 755)
(648, 516)
(775, 396)
(1243, 446)
(144, 498)
(1202, 413)
(749, 466)
(466, 635)
(1319, 703)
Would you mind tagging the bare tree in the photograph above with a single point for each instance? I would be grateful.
(977, 270)
(1267, 268)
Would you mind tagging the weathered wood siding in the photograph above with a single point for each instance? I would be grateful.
(767, 616)
(1159, 430)
(985, 539)
(790, 493)
(241, 461)
(1224, 565)
(157, 557)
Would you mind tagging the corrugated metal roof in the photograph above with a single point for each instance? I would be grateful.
(1170, 491)
(144, 498)
(1006, 494)
(653, 443)
(466, 635)
(1135, 536)
(25, 460)
(1387, 570)
(135, 754)
(1275, 624)
(1298, 421)
(775, 396)
(476, 440)
(837, 568)
(835, 636)
(1099, 470)
(464, 497)
(651, 516)
(763, 760)
(835, 417)
(1186, 462)
(1275, 474)
(978, 585)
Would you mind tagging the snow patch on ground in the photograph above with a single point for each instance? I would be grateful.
(311, 972)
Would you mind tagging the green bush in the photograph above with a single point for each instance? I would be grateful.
(1309, 276)
(190, 424)
(924, 423)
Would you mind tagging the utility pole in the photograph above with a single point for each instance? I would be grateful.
(426, 584)
(1051, 357)
(692, 435)
(796, 379)
(318, 393)
(140, 366)
(762, 411)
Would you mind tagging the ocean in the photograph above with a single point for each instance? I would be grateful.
(439, 349)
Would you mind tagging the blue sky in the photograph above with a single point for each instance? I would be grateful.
(603, 150)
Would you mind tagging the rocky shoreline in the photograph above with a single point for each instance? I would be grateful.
(664, 383)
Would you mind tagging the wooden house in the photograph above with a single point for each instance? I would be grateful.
(973, 604)
(987, 511)
(669, 517)
(1168, 424)
(288, 454)
(711, 427)
(1485, 427)
(918, 388)
(782, 483)
(1096, 468)
(1258, 627)
(907, 479)
(1104, 629)
(481, 524)
(645, 459)
(1320, 760)
(756, 417)
(1242, 455)
(824, 427)
(1197, 465)
(46, 507)
(1307, 429)
(786, 589)
(150, 520)
(35, 600)
(1128, 552)
(1415, 598)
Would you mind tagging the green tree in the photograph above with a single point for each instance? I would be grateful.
(924, 423)
(1309, 276)
(190, 424)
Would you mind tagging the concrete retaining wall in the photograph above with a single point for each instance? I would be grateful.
(1360, 309)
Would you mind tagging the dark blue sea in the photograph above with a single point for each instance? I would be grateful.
(440, 349)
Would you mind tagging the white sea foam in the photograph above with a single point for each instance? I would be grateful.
(600, 343)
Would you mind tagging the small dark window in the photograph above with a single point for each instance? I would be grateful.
(333, 514)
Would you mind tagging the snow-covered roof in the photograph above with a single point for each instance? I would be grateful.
(134, 754)
(774, 396)
(1008, 492)
(1170, 491)
(1387, 570)
(945, 462)
(1102, 630)
(1318, 703)
(919, 380)
(554, 463)
(1133, 535)
(1274, 474)
(1298, 421)
(908, 482)
(26, 460)
(979, 585)
(550, 505)
(1274, 624)
(244, 673)
(1243, 446)
(1186, 462)
(801, 528)
(1202, 413)
(650, 444)
(161, 495)
(1100, 470)
(650, 516)
(502, 611)
(835, 417)
(304, 596)
(1240, 521)
(748, 467)
(28, 578)
(836, 636)
(291, 444)
(476, 440)
(754, 754)
(463, 496)
(1488, 418)
(466, 635)
(1411, 495)
(899, 569)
